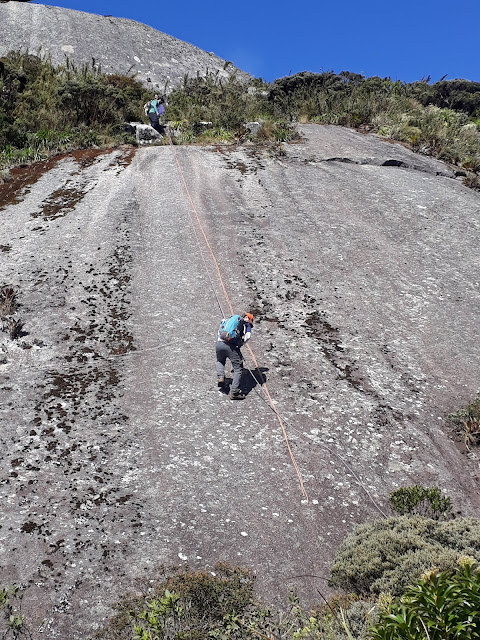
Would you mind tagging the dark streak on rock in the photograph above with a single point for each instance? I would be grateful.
(22, 178)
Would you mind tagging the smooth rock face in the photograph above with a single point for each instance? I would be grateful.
(360, 263)
(117, 44)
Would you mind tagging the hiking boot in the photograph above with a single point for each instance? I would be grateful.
(236, 394)
(220, 382)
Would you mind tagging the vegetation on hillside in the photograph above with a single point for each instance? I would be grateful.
(197, 605)
(45, 110)
(398, 577)
(224, 108)
(181, 604)
(441, 120)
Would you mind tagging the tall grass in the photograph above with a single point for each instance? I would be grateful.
(441, 120)
(225, 106)
(46, 110)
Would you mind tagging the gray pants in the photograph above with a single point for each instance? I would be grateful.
(225, 351)
(154, 121)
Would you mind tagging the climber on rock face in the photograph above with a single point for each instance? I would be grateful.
(154, 109)
(233, 333)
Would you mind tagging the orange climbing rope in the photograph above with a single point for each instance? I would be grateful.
(282, 425)
(227, 298)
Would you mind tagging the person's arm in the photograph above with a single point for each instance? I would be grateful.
(248, 333)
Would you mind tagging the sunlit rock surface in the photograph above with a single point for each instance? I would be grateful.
(360, 263)
(117, 45)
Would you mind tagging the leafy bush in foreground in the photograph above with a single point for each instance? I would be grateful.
(442, 606)
(388, 555)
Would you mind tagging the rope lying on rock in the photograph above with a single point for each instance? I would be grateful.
(230, 306)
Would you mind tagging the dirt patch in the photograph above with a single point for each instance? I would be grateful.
(22, 178)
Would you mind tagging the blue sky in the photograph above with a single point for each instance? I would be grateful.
(405, 40)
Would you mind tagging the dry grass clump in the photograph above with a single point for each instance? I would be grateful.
(8, 302)
(8, 308)
(468, 422)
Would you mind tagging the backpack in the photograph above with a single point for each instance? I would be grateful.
(231, 329)
(147, 107)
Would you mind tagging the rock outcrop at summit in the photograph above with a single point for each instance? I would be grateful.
(118, 45)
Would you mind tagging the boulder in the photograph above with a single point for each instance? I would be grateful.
(254, 127)
(144, 133)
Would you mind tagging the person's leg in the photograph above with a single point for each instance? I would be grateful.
(237, 364)
(153, 120)
(222, 352)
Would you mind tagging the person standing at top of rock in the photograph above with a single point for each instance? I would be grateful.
(233, 333)
(154, 109)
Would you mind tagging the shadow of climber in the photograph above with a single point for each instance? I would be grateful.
(252, 378)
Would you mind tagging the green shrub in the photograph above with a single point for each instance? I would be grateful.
(12, 622)
(388, 555)
(343, 617)
(442, 606)
(188, 605)
(46, 109)
(198, 605)
(191, 605)
(438, 120)
(422, 501)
